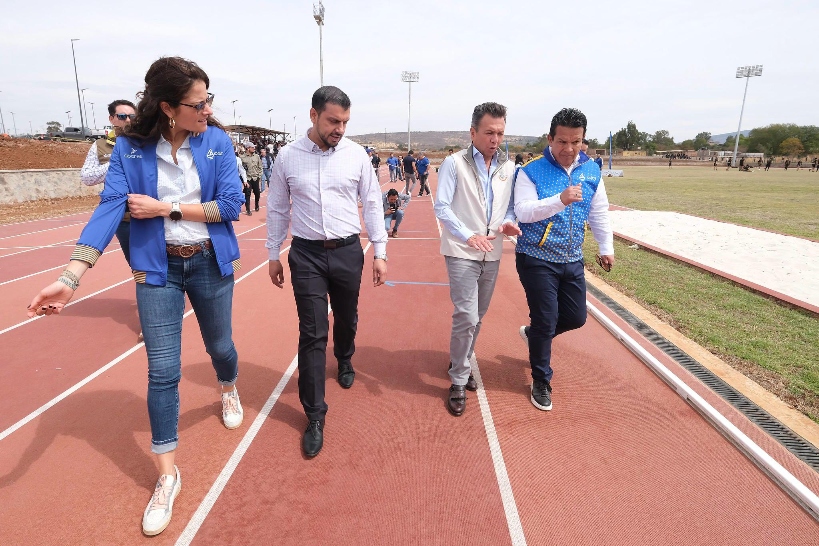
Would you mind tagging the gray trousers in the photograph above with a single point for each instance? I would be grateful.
(471, 284)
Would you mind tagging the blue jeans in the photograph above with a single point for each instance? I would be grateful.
(160, 313)
(556, 294)
(397, 216)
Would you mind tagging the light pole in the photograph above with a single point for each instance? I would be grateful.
(69, 117)
(233, 102)
(294, 128)
(1, 119)
(409, 77)
(77, 81)
(14, 122)
(270, 121)
(93, 114)
(84, 107)
(318, 15)
(746, 72)
(30, 128)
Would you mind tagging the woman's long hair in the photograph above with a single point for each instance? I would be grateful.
(168, 80)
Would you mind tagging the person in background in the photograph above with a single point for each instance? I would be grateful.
(253, 167)
(599, 161)
(267, 166)
(392, 163)
(409, 172)
(183, 245)
(518, 160)
(376, 161)
(120, 114)
(394, 206)
(422, 167)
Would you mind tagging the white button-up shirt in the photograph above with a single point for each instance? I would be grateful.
(319, 191)
(179, 183)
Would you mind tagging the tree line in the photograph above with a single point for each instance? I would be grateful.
(785, 139)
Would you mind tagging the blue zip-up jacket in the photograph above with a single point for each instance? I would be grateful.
(558, 239)
(134, 170)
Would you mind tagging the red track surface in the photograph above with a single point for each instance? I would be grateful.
(620, 459)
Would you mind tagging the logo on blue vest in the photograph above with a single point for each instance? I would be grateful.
(211, 154)
(133, 154)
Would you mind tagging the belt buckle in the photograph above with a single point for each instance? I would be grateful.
(183, 251)
(330, 244)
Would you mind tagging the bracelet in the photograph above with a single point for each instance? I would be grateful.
(71, 275)
(68, 282)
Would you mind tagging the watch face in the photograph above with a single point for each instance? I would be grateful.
(175, 213)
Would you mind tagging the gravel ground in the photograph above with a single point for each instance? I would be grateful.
(18, 153)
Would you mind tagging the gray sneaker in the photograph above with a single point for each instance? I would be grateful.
(542, 395)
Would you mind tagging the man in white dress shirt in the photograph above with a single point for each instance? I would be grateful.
(318, 181)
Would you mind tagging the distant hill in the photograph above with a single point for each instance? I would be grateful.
(720, 139)
(429, 140)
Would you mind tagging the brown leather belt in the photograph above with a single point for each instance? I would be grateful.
(186, 251)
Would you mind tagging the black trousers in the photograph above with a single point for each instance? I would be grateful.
(316, 273)
(256, 189)
(556, 294)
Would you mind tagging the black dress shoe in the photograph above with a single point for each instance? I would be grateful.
(456, 403)
(471, 384)
(346, 374)
(313, 438)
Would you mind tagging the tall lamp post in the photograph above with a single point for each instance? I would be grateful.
(746, 72)
(77, 81)
(84, 107)
(93, 114)
(409, 77)
(69, 117)
(14, 122)
(3, 123)
(233, 102)
(31, 127)
(270, 121)
(318, 15)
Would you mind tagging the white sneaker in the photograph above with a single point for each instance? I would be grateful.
(158, 513)
(523, 334)
(232, 413)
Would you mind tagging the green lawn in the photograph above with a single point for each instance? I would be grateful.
(786, 202)
(776, 345)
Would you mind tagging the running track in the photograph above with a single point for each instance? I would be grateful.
(621, 459)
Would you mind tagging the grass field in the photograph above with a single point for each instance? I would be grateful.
(774, 344)
(777, 200)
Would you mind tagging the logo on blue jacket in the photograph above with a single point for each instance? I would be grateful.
(211, 154)
(133, 154)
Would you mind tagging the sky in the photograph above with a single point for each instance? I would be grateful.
(664, 65)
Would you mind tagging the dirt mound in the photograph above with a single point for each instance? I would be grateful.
(18, 153)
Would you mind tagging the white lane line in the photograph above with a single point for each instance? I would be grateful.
(510, 508)
(52, 269)
(40, 231)
(39, 248)
(221, 482)
(39, 411)
(507, 496)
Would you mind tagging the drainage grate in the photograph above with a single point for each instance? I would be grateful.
(794, 443)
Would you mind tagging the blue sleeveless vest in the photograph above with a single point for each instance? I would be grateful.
(558, 239)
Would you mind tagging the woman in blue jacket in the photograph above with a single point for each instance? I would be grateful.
(175, 168)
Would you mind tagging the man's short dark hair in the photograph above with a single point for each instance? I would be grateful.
(331, 94)
(487, 109)
(112, 108)
(568, 117)
(410, 152)
(586, 142)
(392, 191)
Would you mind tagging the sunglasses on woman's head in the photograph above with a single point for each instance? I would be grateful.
(201, 105)
(123, 117)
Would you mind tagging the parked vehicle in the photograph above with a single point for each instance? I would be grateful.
(75, 133)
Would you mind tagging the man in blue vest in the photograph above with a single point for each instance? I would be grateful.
(555, 195)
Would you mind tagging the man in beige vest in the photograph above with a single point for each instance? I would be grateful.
(474, 202)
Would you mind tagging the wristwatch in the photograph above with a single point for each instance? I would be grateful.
(176, 212)
(381, 257)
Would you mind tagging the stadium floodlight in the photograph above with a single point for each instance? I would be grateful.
(14, 122)
(69, 117)
(746, 72)
(318, 15)
(77, 81)
(233, 102)
(409, 77)
(270, 121)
